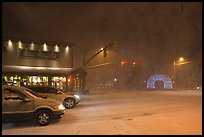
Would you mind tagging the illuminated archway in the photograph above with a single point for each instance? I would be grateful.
(152, 79)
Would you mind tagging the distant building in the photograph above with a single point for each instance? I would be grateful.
(112, 69)
(38, 63)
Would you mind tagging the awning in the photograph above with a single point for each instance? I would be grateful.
(7, 69)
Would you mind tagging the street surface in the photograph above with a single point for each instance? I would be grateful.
(125, 113)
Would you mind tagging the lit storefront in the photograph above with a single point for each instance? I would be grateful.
(40, 64)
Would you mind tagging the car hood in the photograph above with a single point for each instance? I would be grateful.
(71, 93)
(49, 100)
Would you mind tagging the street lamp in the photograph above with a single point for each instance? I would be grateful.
(181, 59)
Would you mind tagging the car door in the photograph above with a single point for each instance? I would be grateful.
(52, 92)
(17, 109)
(4, 117)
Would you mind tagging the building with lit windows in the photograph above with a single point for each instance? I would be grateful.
(112, 69)
(37, 63)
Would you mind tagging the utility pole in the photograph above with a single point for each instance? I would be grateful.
(174, 75)
(102, 50)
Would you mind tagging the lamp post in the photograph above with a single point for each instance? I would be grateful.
(181, 59)
(174, 75)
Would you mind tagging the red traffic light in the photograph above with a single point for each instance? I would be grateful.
(122, 63)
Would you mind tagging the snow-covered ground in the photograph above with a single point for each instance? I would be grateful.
(125, 112)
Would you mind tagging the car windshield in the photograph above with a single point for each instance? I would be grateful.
(34, 93)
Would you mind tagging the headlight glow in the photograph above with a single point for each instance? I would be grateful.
(77, 96)
(60, 107)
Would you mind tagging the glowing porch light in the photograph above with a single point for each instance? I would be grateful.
(10, 43)
(56, 48)
(20, 45)
(44, 47)
(67, 48)
(32, 46)
(181, 59)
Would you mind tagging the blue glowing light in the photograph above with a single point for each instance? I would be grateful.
(151, 81)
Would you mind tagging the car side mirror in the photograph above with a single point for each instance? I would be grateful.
(59, 92)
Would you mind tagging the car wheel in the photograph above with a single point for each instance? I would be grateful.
(43, 117)
(69, 103)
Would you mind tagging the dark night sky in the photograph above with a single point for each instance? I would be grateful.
(154, 33)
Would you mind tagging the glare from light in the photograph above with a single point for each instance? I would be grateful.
(38, 79)
(101, 48)
(181, 59)
(67, 48)
(115, 79)
(44, 47)
(77, 96)
(56, 48)
(61, 107)
(54, 68)
(32, 46)
(20, 45)
(10, 43)
(39, 68)
(122, 63)
(68, 80)
(25, 67)
(133, 64)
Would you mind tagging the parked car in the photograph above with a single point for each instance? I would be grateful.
(22, 104)
(69, 100)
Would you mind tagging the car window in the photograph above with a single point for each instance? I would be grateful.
(51, 90)
(32, 93)
(38, 89)
(10, 92)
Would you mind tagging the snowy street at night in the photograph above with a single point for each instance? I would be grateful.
(125, 112)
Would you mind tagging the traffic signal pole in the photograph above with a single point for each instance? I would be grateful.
(87, 61)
